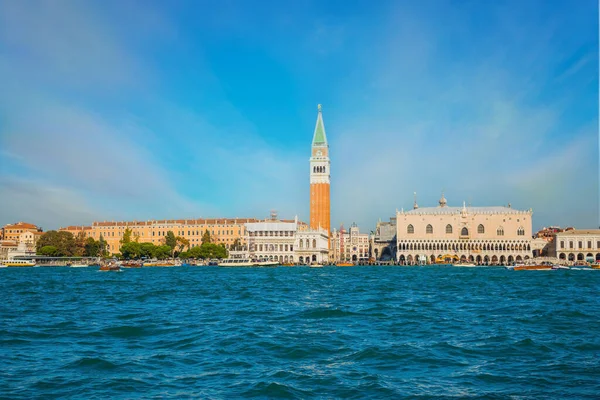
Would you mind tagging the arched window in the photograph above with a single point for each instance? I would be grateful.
(480, 229)
(429, 229)
(410, 229)
(464, 232)
(500, 231)
(448, 228)
(314, 243)
(301, 243)
(521, 231)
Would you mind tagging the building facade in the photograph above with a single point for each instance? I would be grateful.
(272, 240)
(320, 207)
(383, 242)
(578, 245)
(13, 231)
(311, 246)
(224, 231)
(349, 245)
(482, 235)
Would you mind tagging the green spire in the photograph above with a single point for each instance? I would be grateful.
(319, 138)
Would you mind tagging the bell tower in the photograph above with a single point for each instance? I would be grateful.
(320, 177)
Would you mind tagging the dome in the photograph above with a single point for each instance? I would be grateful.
(443, 201)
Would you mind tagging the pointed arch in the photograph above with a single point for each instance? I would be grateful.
(410, 229)
(480, 229)
(429, 229)
(448, 229)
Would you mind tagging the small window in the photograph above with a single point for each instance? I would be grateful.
(480, 229)
(562, 244)
(448, 228)
(410, 229)
(500, 231)
(429, 229)
(580, 244)
(521, 231)
(589, 244)
(464, 232)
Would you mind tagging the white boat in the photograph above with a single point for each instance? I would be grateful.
(78, 266)
(237, 262)
(18, 263)
(316, 266)
(467, 264)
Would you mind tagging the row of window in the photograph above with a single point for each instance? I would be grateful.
(272, 247)
(464, 231)
(579, 244)
(319, 170)
(464, 246)
(272, 233)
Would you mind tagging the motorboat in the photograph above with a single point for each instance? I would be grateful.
(78, 266)
(111, 266)
(316, 266)
(560, 267)
(344, 264)
(531, 267)
(131, 264)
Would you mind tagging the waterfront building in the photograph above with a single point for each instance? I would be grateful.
(578, 245)
(349, 245)
(483, 235)
(320, 208)
(29, 239)
(14, 231)
(311, 246)
(222, 230)
(9, 249)
(272, 239)
(383, 242)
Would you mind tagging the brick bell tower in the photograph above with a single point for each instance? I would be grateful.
(320, 215)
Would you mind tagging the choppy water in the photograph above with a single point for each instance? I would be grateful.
(365, 332)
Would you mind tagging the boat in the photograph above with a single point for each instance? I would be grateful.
(18, 263)
(78, 265)
(560, 267)
(267, 263)
(316, 266)
(344, 264)
(595, 266)
(111, 266)
(287, 264)
(531, 267)
(131, 264)
(237, 262)
(159, 264)
(465, 264)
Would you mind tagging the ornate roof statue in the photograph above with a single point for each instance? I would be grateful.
(443, 201)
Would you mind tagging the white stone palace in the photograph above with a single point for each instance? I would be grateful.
(578, 245)
(483, 235)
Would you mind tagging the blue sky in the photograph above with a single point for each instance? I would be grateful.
(146, 110)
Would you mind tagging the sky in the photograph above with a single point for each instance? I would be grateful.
(138, 110)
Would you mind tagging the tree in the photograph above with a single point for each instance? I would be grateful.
(131, 250)
(79, 248)
(184, 255)
(126, 237)
(206, 237)
(63, 241)
(162, 252)
(147, 250)
(92, 247)
(171, 240)
(237, 244)
(103, 247)
(182, 243)
(49, 251)
(195, 252)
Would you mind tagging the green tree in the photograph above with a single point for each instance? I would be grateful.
(126, 237)
(195, 252)
(131, 250)
(49, 251)
(102, 247)
(184, 255)
(92, 247)
(63, 241)
(171, 240)
(147, 250)
(162, 252)
(206, 237)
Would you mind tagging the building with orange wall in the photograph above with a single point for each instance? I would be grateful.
(222, 230)
(13, 231)
(320, 207)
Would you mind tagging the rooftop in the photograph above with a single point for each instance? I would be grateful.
(470, 210)
(579, 232)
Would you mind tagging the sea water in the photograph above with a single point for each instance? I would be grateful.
(296, 332)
